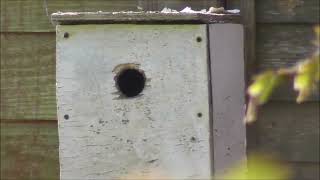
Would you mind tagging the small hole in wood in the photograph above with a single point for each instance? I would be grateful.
(193, 139)
(66, 35)
(199, 39)
(66, 117)
(199, 114)
(130, 82)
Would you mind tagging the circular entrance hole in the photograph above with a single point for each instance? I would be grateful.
(130, 82)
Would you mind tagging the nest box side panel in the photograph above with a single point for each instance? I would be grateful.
(162, 131)
(228, 95)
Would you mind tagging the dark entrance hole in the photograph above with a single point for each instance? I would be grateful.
(130, 82)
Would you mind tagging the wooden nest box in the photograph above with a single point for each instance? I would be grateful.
(149, 94)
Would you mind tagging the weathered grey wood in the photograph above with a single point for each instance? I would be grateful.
(233, 4)
(288, 11)
(290, 131)
(109, 136)
(284, 11)
(29, 150)
(27, 76)
(248, 14)
(249, 21)
(308, 171)
(282, 45)
(227, 78)
(158, 5)
(139, 17)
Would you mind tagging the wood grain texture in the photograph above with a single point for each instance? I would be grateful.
(285, 92)
(249, 20)
(290, 131)
(284, 11)
(247, 8)
(29, 151)
(28, 76)
(158, 5)
(305, 171)
(288, 11)
(283, 45)
(142, 17)
(34, 15)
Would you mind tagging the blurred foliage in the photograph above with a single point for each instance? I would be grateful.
(306, 76)
(261, 167)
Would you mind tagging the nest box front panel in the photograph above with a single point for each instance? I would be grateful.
(133, 101)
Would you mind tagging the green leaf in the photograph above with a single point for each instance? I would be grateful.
(260, 167)
(263, 86)
(307, 78)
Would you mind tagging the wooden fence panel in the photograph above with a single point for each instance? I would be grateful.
(305, 171)
(28, 76)
(291, 131)
(34, 15)
(285, 11)
(282, 45)
(29, 150)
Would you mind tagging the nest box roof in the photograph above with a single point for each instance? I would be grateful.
(142, 17)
